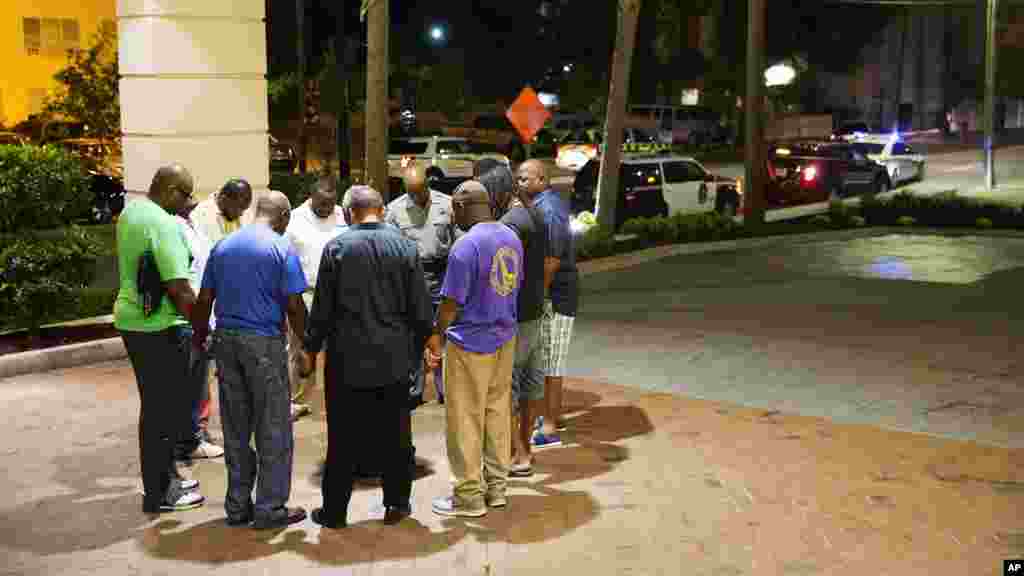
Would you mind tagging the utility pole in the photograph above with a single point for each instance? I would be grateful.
(375, 165)
(343, 63)
(300, 35)
(990, 90)
(618, 93)
(754, 104)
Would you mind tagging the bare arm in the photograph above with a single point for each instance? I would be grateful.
(551, 265)
(201, 313)
(297, 315)
(181, 294)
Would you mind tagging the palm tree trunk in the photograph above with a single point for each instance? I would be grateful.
(618, 91)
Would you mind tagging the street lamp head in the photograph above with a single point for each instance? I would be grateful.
(567, 68)
(779, 75)
(436, 33)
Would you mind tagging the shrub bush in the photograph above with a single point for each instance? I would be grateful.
(983, 222)
(906, 221)
(40, 188)
(596, 242)
(945, 209)
(41, 276)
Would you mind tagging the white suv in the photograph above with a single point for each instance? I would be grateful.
(651, 185)
(440, 156)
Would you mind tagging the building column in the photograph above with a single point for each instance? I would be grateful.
(193, 90)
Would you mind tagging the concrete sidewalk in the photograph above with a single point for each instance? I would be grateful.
(648, 484)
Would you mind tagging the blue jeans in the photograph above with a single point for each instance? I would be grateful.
(199, 392)
(255, 403)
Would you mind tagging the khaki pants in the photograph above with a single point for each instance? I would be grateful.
(478, 403)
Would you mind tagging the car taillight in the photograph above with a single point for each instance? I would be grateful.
(810, 173)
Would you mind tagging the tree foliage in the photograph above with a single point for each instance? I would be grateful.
(87, 88)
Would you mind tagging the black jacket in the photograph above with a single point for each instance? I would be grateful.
(372, 308)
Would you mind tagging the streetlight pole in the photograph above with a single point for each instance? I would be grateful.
(342, 66)
(990, 90)
(754, 189)
(376, 163)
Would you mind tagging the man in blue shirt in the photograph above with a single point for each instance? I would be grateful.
(254, 277)
(560, 306)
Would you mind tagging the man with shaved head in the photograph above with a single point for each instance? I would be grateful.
(475, 335)
(254, 278)
(425, 216)
(154, 304)
(371, 309)
(561, 278)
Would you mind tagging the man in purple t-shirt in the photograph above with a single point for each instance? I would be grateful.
(477, 317)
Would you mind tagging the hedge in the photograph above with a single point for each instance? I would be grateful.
(40, 188)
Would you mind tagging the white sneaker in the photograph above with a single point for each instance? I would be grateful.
(207, 450)
(187, 501)
(299, 410)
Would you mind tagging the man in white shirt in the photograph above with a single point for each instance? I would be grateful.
(313, 224)
(224, 212)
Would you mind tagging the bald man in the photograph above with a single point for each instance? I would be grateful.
(372, 311)
(254, 278)
(424, 216)
(152, 318)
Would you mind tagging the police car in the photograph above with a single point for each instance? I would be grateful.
(659, 185)
(582, 146)
(440, 156)
(902, 163)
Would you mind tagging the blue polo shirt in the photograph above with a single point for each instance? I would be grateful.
(564, 293)
(252, 273)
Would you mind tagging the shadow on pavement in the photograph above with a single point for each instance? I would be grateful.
(104, 507)
(545, 514)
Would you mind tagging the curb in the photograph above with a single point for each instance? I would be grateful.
(110, 349)
(60, 357)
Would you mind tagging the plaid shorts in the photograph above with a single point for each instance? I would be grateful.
(555, 335)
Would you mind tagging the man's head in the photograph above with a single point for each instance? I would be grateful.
(483, 166)
(416, 184)
(274, 209)
(324, 197)
(171, 188)
(471, 205)
(500, 186)
(531, 178)
(363, 205)
(234, 198)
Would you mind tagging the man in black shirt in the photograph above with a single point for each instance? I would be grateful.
(372, 308)
(528, 371)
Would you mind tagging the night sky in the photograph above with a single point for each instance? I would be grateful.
(505, 44)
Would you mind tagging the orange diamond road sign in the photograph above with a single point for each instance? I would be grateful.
(527, 114)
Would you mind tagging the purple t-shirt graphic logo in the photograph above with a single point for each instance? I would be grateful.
(483, 277)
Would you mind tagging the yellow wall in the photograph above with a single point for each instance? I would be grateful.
(23, 78)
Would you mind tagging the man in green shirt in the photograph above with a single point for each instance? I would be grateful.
(158, 342)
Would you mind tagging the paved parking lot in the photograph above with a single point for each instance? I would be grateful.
(734, 412)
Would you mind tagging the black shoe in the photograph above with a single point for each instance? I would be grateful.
(244, 519)
(320, 518)
(395, 514)
(291, 516)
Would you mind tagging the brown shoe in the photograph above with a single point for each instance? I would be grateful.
(291, 516)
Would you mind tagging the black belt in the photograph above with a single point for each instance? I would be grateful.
(434, 266)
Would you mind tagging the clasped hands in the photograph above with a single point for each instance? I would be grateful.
(434, 352)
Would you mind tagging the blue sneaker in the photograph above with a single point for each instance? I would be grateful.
(541, 440)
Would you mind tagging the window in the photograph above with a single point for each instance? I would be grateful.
(491, 123)
(641, 175)
(50, 36)
(871, 148)
(453, 147)
(407, 148)
(676, 172)
(901, 148)
(476, 147)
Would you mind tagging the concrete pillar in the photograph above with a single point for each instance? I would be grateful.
(193, 90)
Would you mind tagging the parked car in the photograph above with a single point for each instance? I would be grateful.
(11, 139)
(494, 129)
(282, 156)
(814, 171)
(900, 160)
(850, 130)
(103, 161)
(582, 146)
(659, 185)
(440, 156)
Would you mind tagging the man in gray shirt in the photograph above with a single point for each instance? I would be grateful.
(425, 217)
